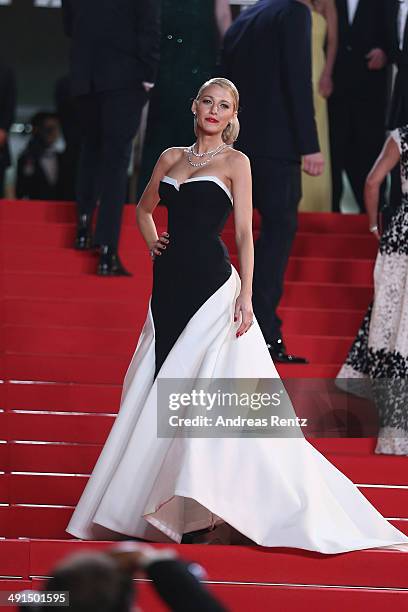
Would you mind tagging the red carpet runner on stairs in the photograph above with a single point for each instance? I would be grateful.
(67, 337)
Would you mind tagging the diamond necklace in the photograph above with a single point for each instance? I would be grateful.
(190, 152)
(206, 152)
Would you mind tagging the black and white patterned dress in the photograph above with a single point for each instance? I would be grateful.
(380, 350)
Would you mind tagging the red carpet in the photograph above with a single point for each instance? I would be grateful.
(72, 335)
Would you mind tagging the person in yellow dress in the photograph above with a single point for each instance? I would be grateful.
(317, 190)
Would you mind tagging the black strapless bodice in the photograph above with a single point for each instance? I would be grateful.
(198, 206)
(195, 263)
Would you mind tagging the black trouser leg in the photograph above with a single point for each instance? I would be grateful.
(88, 174)
(339, 125)
(2, 175)
(120, 112)
(277, 192)
(366, 141)
(69, 171)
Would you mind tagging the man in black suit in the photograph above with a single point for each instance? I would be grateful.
(114, 59)
(8, 96)
(267, 54)
(357, 105)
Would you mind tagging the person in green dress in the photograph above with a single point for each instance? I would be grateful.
(192, 31)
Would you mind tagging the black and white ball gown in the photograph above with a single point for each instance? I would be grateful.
(380, 351)
(277, 492)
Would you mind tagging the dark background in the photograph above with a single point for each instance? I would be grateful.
(33, 43)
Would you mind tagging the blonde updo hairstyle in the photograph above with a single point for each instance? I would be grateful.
(230, 133)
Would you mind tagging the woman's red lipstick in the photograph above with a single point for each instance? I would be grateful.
(212, 120)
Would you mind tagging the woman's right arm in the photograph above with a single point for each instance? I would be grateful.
(326, 80)
(388, 159)
(150, 199)
(223, 16)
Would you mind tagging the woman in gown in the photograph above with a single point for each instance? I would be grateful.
(380, 350)
(276, 492)
(317, 190)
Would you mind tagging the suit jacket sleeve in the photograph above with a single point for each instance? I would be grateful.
(297, 74)
(67, 16)
(8, 98)
(149, 38)
(391, 22)
(383, 11)
(180, 589)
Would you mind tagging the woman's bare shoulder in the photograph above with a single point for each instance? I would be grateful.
(172, 155)
(238, 161)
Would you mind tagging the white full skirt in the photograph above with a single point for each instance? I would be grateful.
(277, 492)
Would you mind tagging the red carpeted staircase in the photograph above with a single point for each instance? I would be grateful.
(67, 338)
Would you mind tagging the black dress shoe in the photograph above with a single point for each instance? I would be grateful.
(83, 241)
(277, 350)
(110, 264)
